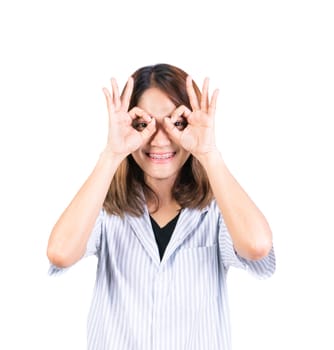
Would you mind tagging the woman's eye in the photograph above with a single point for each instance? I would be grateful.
(181, 124)
(139, 125)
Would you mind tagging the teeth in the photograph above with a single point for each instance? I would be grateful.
(161, 156)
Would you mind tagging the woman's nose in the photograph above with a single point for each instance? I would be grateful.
(160, 138)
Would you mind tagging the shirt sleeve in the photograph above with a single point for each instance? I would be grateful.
(92, 248)
(262, 268)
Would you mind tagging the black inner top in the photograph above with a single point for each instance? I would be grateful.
(163, 234)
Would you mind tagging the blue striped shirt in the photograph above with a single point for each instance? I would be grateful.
(180, 302)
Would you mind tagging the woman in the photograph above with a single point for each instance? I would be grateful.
(165, 218)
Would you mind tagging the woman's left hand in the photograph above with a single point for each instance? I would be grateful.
(198, 137)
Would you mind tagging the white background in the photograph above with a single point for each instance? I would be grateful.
(273, 63)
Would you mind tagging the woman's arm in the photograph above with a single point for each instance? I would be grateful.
(249, 229)
(68, 239)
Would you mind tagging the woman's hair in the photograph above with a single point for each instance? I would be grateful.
(128, 189)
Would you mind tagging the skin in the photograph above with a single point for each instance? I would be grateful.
(167, 157)
(159, 132)
(161, 158)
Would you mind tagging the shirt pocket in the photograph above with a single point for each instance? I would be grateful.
(195, 276)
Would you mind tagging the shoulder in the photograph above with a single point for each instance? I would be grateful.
(212, 209)
(209, 214)
(109, 221)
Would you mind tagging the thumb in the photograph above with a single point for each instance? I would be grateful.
(149, 130)
(172, 130)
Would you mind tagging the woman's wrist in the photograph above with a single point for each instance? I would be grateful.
(107, 156)
(211, 158)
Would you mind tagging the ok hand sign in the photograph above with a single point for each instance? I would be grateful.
(123, 138)
(198, 137)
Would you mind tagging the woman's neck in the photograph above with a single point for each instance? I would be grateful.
(168, 207)
(162, 189)
(165, 212)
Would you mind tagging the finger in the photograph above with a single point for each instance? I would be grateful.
(137, 112)
(127, 94)
(181, 111)
(213, 103)
(149, 130)
(108, 97)
(172, 130)
(115, 90)
(191, 94)
(205, 98)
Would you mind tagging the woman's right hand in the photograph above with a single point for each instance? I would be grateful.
(123, 138)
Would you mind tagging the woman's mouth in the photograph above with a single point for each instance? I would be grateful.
(160, 157)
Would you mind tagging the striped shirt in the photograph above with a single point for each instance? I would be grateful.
(180, 302)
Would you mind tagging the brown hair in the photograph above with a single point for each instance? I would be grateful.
(128, 188)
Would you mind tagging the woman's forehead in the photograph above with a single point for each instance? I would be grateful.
(156, 103)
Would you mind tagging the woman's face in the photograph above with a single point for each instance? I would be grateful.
(160, 158)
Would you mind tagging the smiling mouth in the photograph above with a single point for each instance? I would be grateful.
(167, 155)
